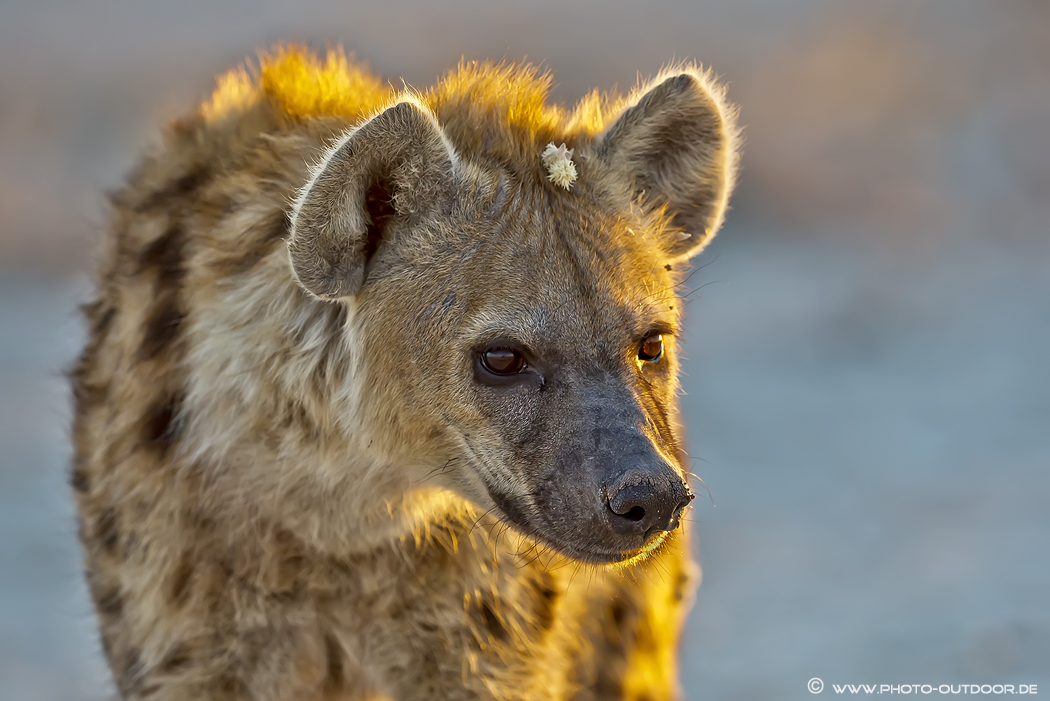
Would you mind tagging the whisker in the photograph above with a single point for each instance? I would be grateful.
(438, 470)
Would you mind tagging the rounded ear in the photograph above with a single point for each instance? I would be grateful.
(396, 165)
(675, 146)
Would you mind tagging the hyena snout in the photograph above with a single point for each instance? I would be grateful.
(646, 500)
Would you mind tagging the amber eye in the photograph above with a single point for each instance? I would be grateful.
(503, 361)
(652, 348)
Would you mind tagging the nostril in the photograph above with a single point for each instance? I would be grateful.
(682, 504)
(636, 513)
(635, 509)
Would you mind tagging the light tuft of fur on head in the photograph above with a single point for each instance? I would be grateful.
(560, 169)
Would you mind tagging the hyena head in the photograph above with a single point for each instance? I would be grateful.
(520, 333)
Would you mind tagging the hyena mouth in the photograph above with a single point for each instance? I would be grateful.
(608, 557)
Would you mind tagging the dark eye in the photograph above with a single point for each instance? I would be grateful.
(502, 361)
(652, 348)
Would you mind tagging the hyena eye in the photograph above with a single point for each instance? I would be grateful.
(652, 348)
(503, 361)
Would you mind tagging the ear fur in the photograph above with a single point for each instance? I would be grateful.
(395, 164)
(675, 145)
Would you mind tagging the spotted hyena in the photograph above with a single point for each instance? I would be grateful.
(379, 399)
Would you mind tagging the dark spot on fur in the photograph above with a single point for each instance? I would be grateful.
(160, 428)
(165, 256)
(178, 658)
(679, 587)
(667, 267)
(232, 687)
(106, 531)
(607, 686)
(201, 522)
(215, 582)
(161, 327)
(79, 480)
(220, 204)
(618, 613)
(180, 187)
(100, 316)
(180, 580)
(546, 598)
(335, 676)
(110, 604)
(492, 622)
(260, 244)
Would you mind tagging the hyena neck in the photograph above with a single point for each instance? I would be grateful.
(275, 417)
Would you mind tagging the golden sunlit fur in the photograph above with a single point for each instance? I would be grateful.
(291, 485)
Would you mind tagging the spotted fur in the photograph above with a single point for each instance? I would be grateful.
(288, 486)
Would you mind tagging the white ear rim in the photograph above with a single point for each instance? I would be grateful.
(726, 166)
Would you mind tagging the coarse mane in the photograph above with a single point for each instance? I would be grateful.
(488, 110)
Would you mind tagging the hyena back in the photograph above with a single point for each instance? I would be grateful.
(375, 406)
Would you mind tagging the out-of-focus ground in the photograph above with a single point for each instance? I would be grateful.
(868, 392)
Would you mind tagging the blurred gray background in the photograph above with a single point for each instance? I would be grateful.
(868, 392)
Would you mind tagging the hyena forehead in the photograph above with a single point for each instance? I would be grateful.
(565, 274)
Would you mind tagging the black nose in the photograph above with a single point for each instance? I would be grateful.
(639, 507)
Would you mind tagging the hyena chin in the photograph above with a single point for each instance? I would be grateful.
(373, 374)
